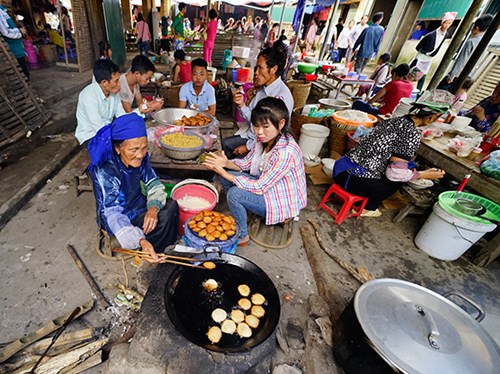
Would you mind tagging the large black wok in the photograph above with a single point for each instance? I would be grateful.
(189, 305)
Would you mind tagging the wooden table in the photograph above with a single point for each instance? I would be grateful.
(436, 152)
(159, 160)
(343, 81)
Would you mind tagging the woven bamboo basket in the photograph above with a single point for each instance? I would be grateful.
(300, 92)
(171, 95)
(298, 120)
(337, 141)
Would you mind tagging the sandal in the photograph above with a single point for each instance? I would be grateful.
(370, 213)
(243, 241)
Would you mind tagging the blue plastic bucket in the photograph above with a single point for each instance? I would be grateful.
(193, 240)
(235, 75)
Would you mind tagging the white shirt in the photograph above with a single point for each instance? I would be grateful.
(343, 38)
(126, 94)
(355, 33)
(95, 111)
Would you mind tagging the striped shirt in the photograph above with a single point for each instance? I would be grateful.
(282, 181)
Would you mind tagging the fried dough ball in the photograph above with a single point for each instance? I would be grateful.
(210, 229)
(244, 304)
(207, 219)
(226, 219)
(223, 237)
(198, 217)
(216, 234)
(252, 321)
(219, 315)
(226, 226)
(237, 316)
(201, 225)
(210, 238)
(230, 232)
(214, 334)
(210, 285)
(228, 326)
(196, 229)
(209, 265)
(258, 311)
(258, 299)
(244, 290)
(202, 233)
(244, 331)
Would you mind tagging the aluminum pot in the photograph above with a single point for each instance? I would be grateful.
(167, 116)
(397, 326)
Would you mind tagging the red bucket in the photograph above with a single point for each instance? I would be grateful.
(192, 190)
(243, 75)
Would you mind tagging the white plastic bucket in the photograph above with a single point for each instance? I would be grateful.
(312, 138)
(447, 237)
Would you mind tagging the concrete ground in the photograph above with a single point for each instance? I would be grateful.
(39, 280)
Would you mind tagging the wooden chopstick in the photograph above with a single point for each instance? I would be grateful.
(162, 256)
(181, 263)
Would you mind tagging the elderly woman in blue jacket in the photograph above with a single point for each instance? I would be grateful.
(119, 164)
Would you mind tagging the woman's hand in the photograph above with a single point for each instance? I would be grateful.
(216, 162)
(150, 220)
(432, 173)
(155, 104)
(148, 248)
(479, 112)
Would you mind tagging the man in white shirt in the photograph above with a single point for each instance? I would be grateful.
(270, 64)
(354, 35)
(130, 84)
(99, 102)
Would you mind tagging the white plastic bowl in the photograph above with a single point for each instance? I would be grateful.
(421, 184)
(328, 164)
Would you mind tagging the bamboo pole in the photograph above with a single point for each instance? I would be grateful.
(298, 34)
(329, 35)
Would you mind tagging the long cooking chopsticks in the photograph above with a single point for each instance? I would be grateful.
(163, 257)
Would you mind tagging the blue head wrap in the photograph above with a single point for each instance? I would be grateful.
(128, 126)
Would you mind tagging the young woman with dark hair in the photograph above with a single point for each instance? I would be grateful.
(270, 180)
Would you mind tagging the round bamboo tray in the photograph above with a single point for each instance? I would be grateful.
(337, 140)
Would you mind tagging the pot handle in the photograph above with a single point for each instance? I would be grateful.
(431, 327)
(476, 306)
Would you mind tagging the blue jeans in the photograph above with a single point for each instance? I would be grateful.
(144, 48)
(240, 201)
(365, 107)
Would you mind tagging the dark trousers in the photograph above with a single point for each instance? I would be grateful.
(376, 190)
(342, 53)
(360, 64)
(165, 232)
(230, 143)
(23, 63)
(365, 107)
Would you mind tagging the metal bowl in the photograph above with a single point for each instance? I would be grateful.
(182, 153)
(335, 104)
(167, 116)
(466, 206)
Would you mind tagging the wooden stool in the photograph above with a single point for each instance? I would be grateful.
(420, 200)
(276, 236)
(349, 202)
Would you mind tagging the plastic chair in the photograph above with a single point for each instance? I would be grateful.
(335, 192)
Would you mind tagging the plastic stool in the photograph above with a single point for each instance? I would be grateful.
(349, 203)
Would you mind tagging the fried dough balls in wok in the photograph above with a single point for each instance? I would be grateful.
(214, 334)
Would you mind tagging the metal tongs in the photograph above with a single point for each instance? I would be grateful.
(176, 260)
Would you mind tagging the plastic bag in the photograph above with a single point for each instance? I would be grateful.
(462, 146)
(360, 132)
(491, 167)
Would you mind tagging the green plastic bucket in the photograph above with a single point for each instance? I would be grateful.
(447, 202)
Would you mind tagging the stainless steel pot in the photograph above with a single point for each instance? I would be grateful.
(167, 116)
(397, 326)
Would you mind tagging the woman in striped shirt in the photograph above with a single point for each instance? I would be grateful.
(270, 180)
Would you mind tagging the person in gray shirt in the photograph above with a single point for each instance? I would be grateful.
(478, 29)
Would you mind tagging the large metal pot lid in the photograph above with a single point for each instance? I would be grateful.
(419, 331)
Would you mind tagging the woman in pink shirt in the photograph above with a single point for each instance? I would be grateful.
(143, 37)
(208, 46)
(311, 34)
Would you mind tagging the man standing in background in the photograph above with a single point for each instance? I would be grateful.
(178, 27)
(14, 39)
(368, 42)
(354, 35)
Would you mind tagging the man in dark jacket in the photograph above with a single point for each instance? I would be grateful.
(429, 46)
(368, 42)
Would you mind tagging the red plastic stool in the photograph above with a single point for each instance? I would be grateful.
(349, 200)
